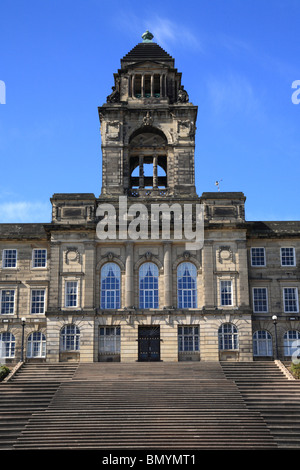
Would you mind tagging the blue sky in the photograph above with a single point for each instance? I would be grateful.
(238, 60)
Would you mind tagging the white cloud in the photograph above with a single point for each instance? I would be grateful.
(233, 93)
(24, 212)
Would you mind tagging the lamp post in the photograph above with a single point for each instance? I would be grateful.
(274, 318)
(22, 346)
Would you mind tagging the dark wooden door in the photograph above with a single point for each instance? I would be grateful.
(149, 343)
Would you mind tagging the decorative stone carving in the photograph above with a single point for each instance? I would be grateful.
(182, 96)
(72, 255)
(225, 254)
(114, 97)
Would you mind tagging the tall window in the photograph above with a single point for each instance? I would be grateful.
(148, 285)
(109, 339)
(291, 341)
(36, 345)
(39, 258)
(260, 299)
(262, 343)
(188, 338)
(110, 286)
(228, 337)
(71, 293)
(290, 299)
(226, 293)
(187, 285)
(288, 257)
(70, 338)
(258, 257)
(7, 301)
(9, 259)
(7, 345)
(38, 301)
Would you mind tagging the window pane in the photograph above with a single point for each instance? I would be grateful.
(260, 302)
(38, 301)
(9, 259)
(188, 338)
(148, 283)
(110, 286)
(7, 301)
(187, 285)
(71, 293)
(258, 257)
(39, 258)
(7, 345)
(226, 293)
(287, 257)
(290, 296)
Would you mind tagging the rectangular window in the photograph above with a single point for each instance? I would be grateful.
(288, 257)
(188, 338)
(258, 257)
(260, 299)
(9, 259)
(39, 258)
(71, 293)
(226, 293)
(290, 299)
(7, 301)
(38, 301)
(109, 340)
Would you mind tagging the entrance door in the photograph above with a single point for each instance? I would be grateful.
(149, 343)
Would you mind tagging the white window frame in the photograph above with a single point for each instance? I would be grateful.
(252, 256)
(281, 256)
(74, 282)
(36, 345)
(262, 344)
(110, 340)
(70, 338)
(255, 310)
(4, 258)
(296, 300)
(229, 283)
(13, 301)
(7, 346)
(44, 305)
(33, 258)
(188, 338)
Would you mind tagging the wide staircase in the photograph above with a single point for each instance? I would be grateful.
(265, 389)
(129, 406)
(30, 391)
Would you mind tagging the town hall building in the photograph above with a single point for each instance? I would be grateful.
(83, 288)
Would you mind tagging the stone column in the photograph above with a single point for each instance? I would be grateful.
(141, 172)
(132, 87)
(129, 285)
(208, 274)
(168, 274)
(152, 86)
(143, 86)
(155, 179)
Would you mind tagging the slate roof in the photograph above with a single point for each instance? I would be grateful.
(23, 231)
(147, 51)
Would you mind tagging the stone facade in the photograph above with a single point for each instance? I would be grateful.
(69, 295)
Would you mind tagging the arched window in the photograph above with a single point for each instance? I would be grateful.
(36, 345)
(148, 285)
(7, 345)
(70, 338)
(187, 285)
(228, 337)
(291, 342)
(262, 343)
(110, 286)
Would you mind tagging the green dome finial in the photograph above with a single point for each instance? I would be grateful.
(147, 36)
